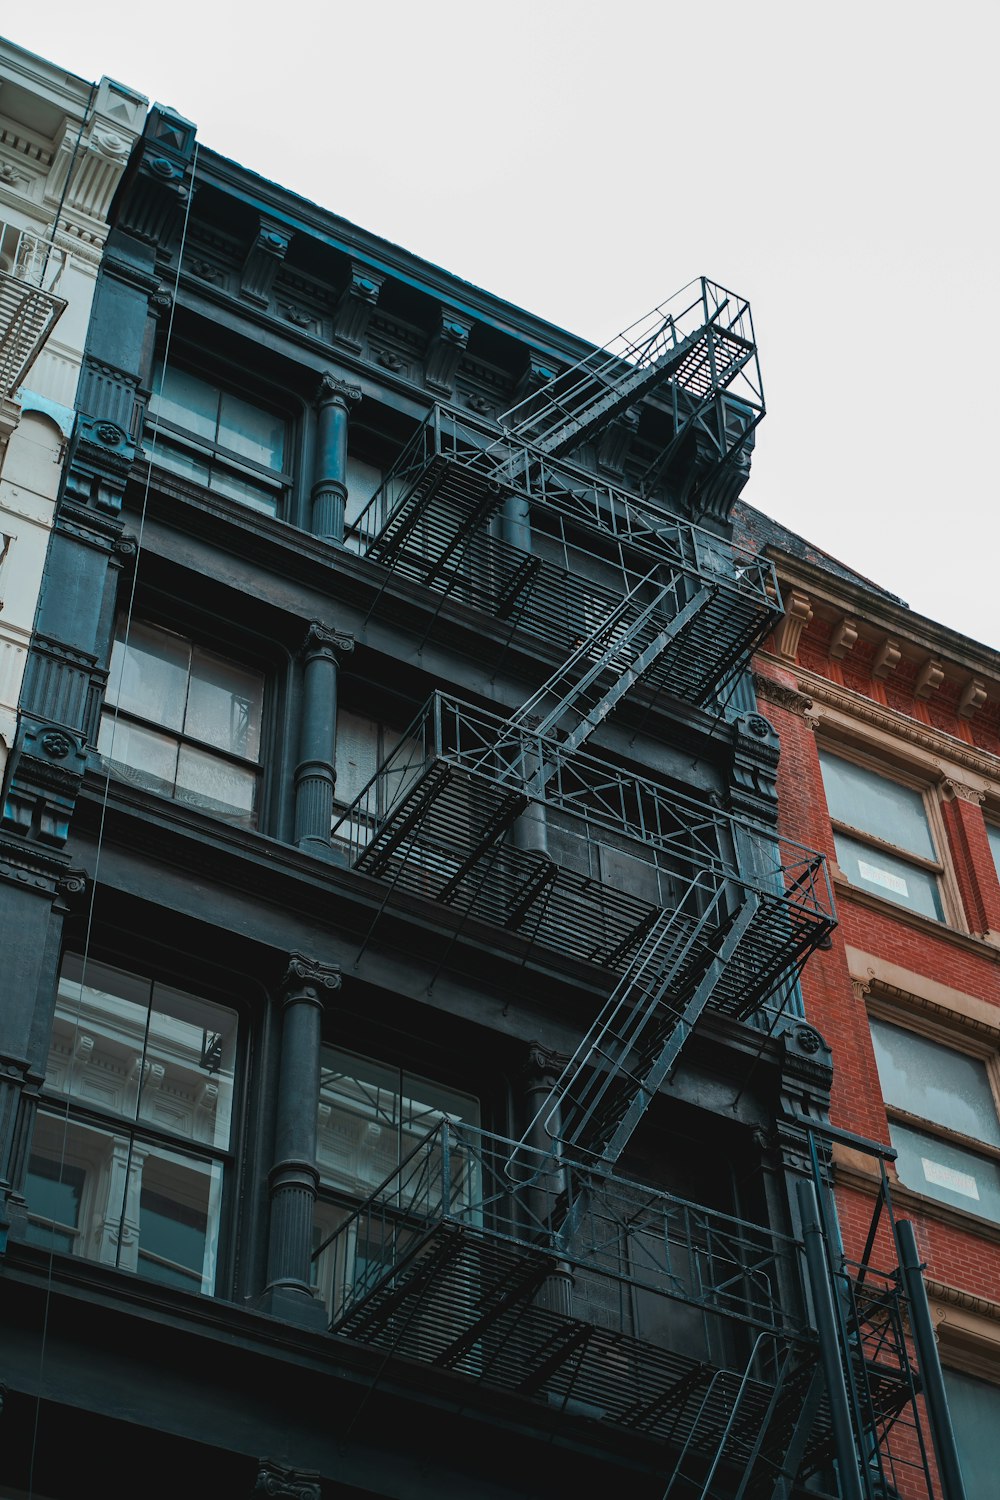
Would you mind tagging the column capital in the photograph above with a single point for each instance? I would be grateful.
(307, 981)
(324, 641)
(284, 1483)
(332, 388)
(541, 1066)
(960, 791)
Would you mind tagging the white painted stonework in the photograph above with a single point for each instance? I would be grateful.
(64, 144)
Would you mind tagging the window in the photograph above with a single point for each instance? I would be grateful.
(882, 836)
(132, 1141)
(943, 1119)
(364, 746)
(993, 834)
(371, 1118)
(975, 1415)
(220, 440)
(363, 480)
(205, 746)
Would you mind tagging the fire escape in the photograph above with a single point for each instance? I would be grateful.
(28, 310)
(498, 1259)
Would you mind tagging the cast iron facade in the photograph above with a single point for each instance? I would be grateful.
(403, 1090)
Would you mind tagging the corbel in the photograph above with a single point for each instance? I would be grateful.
(844, 637)
(798, 613)
(355, 305)
(264, 256)
(445, 349)
(887, 657)
(929, 678)
(973, 697)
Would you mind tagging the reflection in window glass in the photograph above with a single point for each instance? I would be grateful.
(158, 1065)
(951, 1174)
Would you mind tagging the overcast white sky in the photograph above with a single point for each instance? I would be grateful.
(835, 163)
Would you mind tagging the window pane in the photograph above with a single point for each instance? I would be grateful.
(102, 1170)
(947, 1173)
(252, 432)
(224, 705)
(153, 672)
(874, 870)
(186, 400)
(99, 1036)
(939, 1083)
(975, 1414)
(362, 479)
(54, 1190)
(204, 780)
(178, 1219)
(993, 834)
(138, 755)
(358, 1122)
(357, 756)
(189, 1061)
(865, 800)
(239, 487)
(182, 461)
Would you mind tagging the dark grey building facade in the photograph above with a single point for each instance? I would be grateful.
(403, 1091)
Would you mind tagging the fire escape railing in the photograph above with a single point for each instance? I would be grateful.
(29, 309)
(434, 523)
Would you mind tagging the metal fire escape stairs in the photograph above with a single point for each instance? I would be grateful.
(29, 309)
(431, 520)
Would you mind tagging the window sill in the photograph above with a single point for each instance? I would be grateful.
(848, 1172)
(984, 945)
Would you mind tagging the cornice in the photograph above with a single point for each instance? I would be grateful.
(392, 260)
(885, 615)
(854, 705)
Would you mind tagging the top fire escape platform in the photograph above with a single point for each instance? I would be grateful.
(29, 309)
(687, 351)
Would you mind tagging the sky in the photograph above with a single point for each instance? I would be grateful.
(835, 164)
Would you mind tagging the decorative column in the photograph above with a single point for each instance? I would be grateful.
(315, 774)
(541, 1070)
(294, 1178)
(334, 400)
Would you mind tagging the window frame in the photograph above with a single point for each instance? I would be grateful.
(867, 759)
(112, 711)
(280, 481)
(78, 1116)
(955, 1038)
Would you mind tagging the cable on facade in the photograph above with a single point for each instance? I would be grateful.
(154, 430)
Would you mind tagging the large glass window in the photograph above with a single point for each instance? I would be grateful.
(219, 439)
(364, 746)
(882, 836)
(373, 1120)
(941, 1108)
(187, 722)
(132, 1142)
(975, 1415)
(993, 834)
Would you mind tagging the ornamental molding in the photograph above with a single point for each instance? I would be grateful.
(899, 726)
(308, 979)
(958, 791)
(788, 633)
(782, 696)
(954, 1296)
(332, 388)
(284, 1483)
(323, 640)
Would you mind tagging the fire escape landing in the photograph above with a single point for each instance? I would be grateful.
(28, 311)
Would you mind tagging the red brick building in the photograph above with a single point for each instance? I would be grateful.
(890, 763)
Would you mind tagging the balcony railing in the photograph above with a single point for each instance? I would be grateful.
(436, 820)
(29, 308)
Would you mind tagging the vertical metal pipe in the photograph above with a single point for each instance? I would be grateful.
(825, 1316)
(942, 1431)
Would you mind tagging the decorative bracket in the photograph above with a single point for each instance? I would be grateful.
(354, 307)
(263, 258)
(445, 350)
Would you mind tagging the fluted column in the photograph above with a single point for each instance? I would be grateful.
(315, 774)
(294, 1177)
(334, 400)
